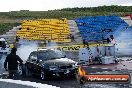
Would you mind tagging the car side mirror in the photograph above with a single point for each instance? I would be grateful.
(34, 60)
(39, 61)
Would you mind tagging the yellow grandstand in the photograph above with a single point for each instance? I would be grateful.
(55, 30)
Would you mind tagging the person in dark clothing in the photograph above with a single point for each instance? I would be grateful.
(112, 37)
(72, 38)
(49, 42)
(84, 42)
(108, 40)
(17, 39)
(87, 43)
(12, 60)
(45, 42)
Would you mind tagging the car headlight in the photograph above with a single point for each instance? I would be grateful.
(53, 68)
(75, 65)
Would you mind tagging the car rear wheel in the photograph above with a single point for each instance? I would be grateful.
(20, 70)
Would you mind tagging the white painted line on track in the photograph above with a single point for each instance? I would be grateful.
(104, 68)
(28, 83)
(93, 67)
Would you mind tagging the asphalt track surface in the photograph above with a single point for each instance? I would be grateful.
(68, 82)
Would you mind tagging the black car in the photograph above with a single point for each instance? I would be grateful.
(49, 63)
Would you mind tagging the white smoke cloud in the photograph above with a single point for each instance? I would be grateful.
(26, 48)
(124, 42)
(2, 59)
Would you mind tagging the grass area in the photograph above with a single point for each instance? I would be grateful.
(69, 13)
(4, 27)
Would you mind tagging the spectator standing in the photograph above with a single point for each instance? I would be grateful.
(112, 39)
(17, 39)
(72, 38)
(12, 59)
(49, 42)
(84, 42)
(45, 41)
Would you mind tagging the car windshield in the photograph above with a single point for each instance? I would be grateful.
(50, 54)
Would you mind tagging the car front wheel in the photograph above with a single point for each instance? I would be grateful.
(43, 76)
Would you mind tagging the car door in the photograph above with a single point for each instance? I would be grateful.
(41, 56)
(36, 66)
(31, 62)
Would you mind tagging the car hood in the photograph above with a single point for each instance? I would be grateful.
(61, 61)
